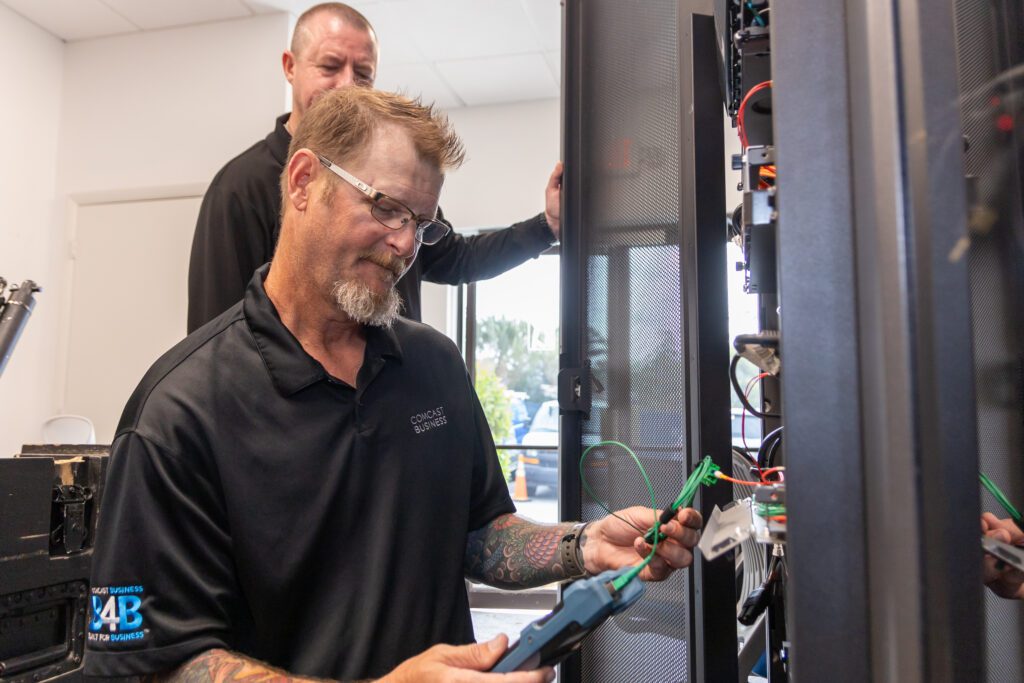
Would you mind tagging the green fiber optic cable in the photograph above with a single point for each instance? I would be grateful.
(703, 474)
(619, 583)
(1000, 497)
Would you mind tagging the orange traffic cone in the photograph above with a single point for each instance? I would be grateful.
(519, 493)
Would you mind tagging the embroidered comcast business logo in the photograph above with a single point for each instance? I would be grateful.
(116, 614)
(428, 419)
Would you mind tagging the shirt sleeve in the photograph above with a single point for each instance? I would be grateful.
(231, 241)
(458, 259)
(163, 587)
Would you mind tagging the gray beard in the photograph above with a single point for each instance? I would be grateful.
(360, 303)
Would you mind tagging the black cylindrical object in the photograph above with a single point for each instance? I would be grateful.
(13, 316)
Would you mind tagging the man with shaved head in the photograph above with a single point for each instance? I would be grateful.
(333, 47)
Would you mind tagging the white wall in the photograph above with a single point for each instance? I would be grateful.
(31, 223)
(511, 150)
(139, 116)
(149, 111)
(155, 115)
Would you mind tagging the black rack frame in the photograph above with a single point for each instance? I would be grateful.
(705, 307)
(878, 390)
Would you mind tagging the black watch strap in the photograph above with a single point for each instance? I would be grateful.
(571, 553)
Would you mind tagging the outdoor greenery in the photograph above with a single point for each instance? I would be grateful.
(516, 353)
(498, 409)
(512, 363)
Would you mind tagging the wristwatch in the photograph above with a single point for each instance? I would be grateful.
(571, 552)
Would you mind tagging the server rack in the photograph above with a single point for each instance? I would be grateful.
(884, 575)
(644, 353)
(880, 304)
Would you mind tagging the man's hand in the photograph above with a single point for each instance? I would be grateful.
(1002, 579)
(611, 543)
(553, 201)
(463, 664)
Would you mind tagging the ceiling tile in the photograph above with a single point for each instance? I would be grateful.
(72, 19)
(546, 17)
(418, 80)
(153, 15)
(393, 33)
(499, 79)
(268, 6)
(297, 7)
(466, 29)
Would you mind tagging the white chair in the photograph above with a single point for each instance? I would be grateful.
(73, 429)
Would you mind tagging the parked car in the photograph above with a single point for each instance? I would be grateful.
(542, 465)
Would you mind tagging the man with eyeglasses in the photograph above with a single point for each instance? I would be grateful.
(333, 46)
(301, 487)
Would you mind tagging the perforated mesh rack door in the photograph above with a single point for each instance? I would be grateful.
(987, 35)
(631, 235)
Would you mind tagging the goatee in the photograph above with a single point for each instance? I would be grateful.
(364, 305)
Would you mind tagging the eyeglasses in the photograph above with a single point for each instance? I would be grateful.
(390, 212)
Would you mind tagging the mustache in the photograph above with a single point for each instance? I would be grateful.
(389, 261)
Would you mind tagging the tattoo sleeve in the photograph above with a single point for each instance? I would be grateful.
(221, 666)
(512, 552)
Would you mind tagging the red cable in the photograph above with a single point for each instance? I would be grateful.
(743, 417)
(741, 481)
(743, 106)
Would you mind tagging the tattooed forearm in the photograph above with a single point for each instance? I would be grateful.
(221, 666)
(512, 552)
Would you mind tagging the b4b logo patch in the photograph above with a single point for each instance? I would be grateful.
(116, 614)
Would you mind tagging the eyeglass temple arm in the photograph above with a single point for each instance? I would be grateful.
(348, 177)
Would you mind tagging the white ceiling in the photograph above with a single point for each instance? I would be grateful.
(452, 52)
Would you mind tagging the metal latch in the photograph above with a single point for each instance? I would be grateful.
(574, 390)
(69, 523)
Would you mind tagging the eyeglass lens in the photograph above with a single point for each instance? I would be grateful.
(395, 216)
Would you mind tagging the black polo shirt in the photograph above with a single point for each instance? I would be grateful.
(254, 503)
(239, 223)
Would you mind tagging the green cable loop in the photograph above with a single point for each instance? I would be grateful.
(622, 581)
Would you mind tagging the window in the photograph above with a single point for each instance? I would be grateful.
(510, 340)
(512, 328)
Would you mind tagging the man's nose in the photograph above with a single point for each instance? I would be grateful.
(345, 77)
(403, 241)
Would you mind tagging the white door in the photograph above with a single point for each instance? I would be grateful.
(128, 300)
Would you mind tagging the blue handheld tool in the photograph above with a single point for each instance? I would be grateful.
(584, 606)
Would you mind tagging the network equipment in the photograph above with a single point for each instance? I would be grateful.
(51, 500)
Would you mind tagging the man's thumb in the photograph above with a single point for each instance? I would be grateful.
(480, 656)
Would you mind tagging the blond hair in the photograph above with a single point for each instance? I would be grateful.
(341, 123)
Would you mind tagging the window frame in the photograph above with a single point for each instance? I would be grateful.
(482, 596)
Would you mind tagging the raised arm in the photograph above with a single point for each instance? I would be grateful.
(457, 259)
(512, 552)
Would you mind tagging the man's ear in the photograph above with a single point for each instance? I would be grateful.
(300, 172)
(288, 65)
